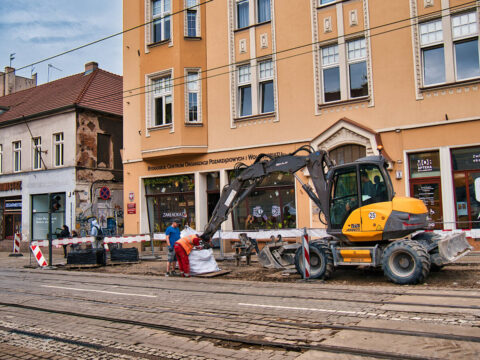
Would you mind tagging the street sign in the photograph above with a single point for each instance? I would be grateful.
(132, 208)
(105, 193)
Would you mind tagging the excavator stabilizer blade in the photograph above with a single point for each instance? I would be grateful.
(452, 247)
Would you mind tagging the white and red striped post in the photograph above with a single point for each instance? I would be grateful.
(16, 245)
(38, 255)
(306, 255)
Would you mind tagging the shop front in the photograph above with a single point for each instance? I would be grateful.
(10, 217)
(466, 178)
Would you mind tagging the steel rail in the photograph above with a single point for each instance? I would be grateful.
(231, 338)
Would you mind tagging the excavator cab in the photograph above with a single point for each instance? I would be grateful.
(353, 189)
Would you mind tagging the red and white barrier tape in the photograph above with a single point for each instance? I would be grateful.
(38, 255)
(90, 239)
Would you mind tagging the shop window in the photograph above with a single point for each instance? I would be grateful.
(40, 208)
(104, 151)
(466, 179)
(425, 164)
(170, 198)
(270, 206)
(347, 153)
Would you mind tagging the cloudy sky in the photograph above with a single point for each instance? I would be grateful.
(36, 30)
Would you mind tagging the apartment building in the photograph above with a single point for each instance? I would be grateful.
(61, 140)
(212, 83)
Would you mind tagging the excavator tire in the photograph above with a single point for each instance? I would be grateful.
(321, 260)
(426, 239)
(406, 262)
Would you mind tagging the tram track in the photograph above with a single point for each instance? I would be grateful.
(256, 341)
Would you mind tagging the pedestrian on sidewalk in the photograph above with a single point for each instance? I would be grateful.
(65, 233)
(172, 235)
(183, 247)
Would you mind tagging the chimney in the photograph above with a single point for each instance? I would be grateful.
(90, 67)
(9, 80)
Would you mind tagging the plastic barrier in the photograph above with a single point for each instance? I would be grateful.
(38, 255)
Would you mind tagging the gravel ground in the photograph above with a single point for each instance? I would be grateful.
(461, 275)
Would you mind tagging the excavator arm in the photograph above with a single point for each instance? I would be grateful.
(248, 177)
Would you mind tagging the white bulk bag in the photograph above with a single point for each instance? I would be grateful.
(202, 262)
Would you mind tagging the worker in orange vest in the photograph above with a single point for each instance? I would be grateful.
(183, 247)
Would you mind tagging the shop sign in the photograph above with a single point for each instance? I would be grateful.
(11, 186)
(132, 208)
(173, 214)
(424, 165)
(131, 196)
(216, 161)
(13, 204)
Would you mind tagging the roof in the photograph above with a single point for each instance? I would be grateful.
(99, 90)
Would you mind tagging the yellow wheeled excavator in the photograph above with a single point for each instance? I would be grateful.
(367, 224)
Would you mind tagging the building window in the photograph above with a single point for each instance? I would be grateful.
(17, 156)
(465, 37)
(242, 13)
(331, 73)
(58, 149)
(37, 153)
(170, 198)
(192, 18)
(431, 40)
(357, 68)
(244, 90)
(104, 151)
(323, 2)
(193, 97)
(161, 10)
(466, 180)
(1, 158)
(266, 86)
(271, 205)
(347, 153)
(263, 10)
(162, 95)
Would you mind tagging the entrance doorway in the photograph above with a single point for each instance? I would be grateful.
(13, 224)
(429, 191)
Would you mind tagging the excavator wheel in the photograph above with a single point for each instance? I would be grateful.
(321, 260)
(406, 262)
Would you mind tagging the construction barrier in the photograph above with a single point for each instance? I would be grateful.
(38, 255)
(16, 245)
(306, 256)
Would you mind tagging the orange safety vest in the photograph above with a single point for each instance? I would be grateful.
(187, 243)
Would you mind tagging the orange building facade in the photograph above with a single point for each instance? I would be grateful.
(208, 84)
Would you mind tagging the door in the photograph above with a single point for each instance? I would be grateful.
(430, 192)
(13, 224)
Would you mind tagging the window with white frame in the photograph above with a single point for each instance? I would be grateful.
(192, 18)
(323, 2)
(1, 158)
(433, 57)
(331, 73)
(464, 49)
(465, 38)
(193, 97)
(357, 68)
(242, 13)
(162, 101)
(58, 149)
(17, 156)
(36, 153)
(244, 90)
(263, 11)
(266, 87)
(161, 10)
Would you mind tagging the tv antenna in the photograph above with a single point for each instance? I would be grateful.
(50, 66)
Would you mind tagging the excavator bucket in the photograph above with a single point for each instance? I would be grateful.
(278, 255)
(452, 247)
